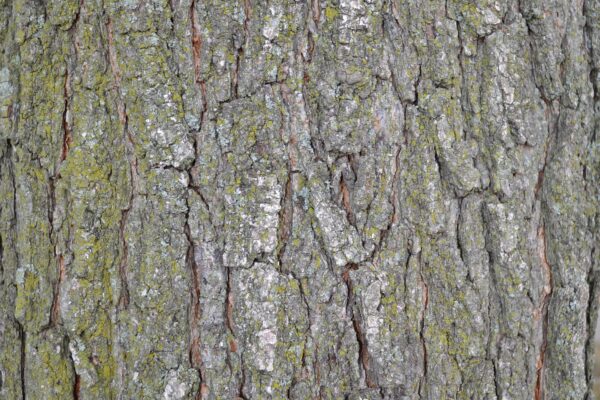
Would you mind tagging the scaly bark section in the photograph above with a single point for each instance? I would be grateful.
(325, 199)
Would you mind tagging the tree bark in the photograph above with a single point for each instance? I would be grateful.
(360, 199)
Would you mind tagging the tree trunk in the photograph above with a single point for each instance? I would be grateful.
(361, 199)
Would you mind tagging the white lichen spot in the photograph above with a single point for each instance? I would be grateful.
(269, 30)
(267, 339)
(373, 325)
(20, 275)
(175, 389)
(490, 17)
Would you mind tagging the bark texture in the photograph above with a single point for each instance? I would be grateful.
(324, 199)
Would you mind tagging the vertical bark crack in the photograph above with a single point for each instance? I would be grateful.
(241, 394)
(232, 340)
(247, 14)
(196, 41)
(229, 303)
(286, 213)
(67, 135)
(346, 201)
(363, 351)
(76, 387)
(23, 341)
(123, 300)
(65, 145)
(591, 319)
(51, 212)
(457, 233)
(196, 311)
(77, 377)
(542, 311)
(55, 309)
(229, 313)
(422, 327)
(133, 162)
(195, 355)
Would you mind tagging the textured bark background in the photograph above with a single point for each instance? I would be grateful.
(361, 199)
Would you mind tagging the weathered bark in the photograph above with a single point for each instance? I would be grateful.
(362, 199)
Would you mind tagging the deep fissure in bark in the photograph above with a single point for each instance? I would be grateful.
(542, 312)
(363, 351)
(129, 144)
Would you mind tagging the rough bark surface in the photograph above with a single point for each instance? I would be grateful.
(324, 199)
